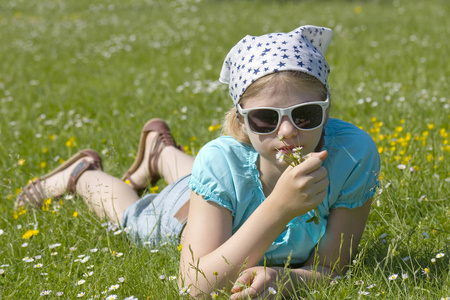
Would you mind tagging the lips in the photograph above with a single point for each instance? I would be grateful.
(287, 149)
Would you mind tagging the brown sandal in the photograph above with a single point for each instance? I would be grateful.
(33, 193)
(165, 137)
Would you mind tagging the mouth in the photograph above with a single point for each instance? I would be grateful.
(289, 149)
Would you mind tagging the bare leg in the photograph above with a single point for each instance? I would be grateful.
(106, 195)
(174, 164)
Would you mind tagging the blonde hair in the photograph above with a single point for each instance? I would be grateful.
(232, 126)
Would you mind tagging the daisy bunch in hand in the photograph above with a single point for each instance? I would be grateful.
(294, 157)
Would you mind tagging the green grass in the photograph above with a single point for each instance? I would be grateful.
(96, 71)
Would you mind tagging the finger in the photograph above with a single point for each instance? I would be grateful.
(242, 281)
(319, 186)
(256, 288)
(319, 174)
(321, 155)
(313, 162)
(318, 198)
(244, 294)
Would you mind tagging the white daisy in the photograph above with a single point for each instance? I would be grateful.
(81, 281)
(393, 277)
(45, 293)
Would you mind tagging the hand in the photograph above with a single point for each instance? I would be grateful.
(256, 282)
(301, 188)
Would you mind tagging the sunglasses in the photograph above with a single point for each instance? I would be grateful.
(265, 120)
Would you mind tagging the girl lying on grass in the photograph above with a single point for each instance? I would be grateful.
(281, 199)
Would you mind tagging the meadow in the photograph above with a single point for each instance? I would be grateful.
(78, 74)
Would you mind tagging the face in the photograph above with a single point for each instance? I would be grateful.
(268, 145)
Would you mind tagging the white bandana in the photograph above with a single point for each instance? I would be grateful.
(256, 56)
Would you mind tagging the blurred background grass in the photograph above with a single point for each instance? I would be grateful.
(83, 74)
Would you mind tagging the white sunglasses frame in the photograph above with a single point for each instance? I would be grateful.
(284, 112)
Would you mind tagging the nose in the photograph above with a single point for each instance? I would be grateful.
(287, 129)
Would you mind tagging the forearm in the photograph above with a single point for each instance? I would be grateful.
(242, 250)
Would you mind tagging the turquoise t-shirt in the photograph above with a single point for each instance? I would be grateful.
(225, 172)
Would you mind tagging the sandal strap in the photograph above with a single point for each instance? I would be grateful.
(83, 166)
(126, 177)
(35, 192)
(154, 157)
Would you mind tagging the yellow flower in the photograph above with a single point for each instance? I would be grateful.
(193, 139)
(357, 10)
(399, 129)
(43, 164)
(187, 150)
(45, 150)
(127, 181)
(71, 142)
(213, 128)
(46, 204)
(373, 119)
(21, 210)
(30, 233)
(21, 162)
(75, 214)
(154, 189)
(402, 121)
(426, 271)
(380, 149)
(51, 137)
(180, 246)
(430, 126)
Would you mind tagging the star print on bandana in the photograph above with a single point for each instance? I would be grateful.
(253, 57)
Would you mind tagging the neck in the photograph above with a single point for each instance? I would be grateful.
(269, 175)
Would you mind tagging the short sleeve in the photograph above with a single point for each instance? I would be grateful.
(211, 177)
(353, 167)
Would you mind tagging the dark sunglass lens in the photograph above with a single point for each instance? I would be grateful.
(263, 120)
(308, 116)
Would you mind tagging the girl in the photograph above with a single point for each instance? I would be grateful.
(255, 217)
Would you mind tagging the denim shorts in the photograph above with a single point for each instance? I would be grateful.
(151, 218)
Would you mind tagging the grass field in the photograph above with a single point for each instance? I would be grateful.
(78, 74)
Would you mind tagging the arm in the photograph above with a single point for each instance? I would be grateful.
(208, 240)
(329, 259)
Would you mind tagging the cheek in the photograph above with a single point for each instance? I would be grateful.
(313, 138)
(260, 142)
